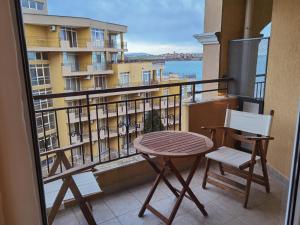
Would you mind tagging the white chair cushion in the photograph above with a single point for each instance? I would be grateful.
(86, 182)
(230, 156)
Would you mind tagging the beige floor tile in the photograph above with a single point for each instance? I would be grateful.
(121, 203)
(131, 218)
(114, 221)
(64, 217)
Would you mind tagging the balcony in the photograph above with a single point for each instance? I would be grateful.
(42, 43)
(76, 70)
(133, 107)
(223, 209)
(107, 45)
(121, 167)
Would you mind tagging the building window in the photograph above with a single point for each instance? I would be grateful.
(124, 79)
(37, 55)
(71, 60)
(113, 39)
(98, 60)
(100, 82)
(42, 103)
(97, 37)
(48, 119)
(69, 34)
(48, 143)
(40, 74)
(146, 77)
(72, 84)
(30, 4)
(115, 57)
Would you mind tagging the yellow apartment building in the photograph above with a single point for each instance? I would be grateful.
(70, 54)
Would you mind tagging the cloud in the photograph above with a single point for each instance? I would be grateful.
(155, 22)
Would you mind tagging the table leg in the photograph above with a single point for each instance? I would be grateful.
(150, 195)
(186, 187)
(157, 170)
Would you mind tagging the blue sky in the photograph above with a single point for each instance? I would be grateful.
(154, 26)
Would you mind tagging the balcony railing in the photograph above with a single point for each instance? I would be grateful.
(77, 69)
(41, 41)
(259, 91)
(95, 127)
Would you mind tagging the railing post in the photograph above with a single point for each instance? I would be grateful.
(127, 126)
(180, 105)
(90, 127)
(194, 93)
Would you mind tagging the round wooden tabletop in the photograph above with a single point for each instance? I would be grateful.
(173, 144)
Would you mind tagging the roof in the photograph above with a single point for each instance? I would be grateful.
(43, 19)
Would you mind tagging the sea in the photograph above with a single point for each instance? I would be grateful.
(184, 68)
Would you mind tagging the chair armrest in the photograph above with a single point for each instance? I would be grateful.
(70, 172)
(253, 138)
(213, 128)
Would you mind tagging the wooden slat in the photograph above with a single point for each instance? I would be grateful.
(173, 143)
(225, 187)
(158, 214)
(244, 174)
(69, 172)
(227, 180)
(241, 138)
(63, 149)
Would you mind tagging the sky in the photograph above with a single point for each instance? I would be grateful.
(154, 26)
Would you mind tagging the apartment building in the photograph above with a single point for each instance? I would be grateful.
(71, 54)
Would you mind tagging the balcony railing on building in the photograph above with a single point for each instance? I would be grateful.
(91, 127)
(76, 69)
(46, 42)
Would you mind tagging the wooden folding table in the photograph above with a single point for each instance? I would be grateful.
(168, 145)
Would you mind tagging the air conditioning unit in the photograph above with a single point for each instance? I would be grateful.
(52, 28)
(88, 77)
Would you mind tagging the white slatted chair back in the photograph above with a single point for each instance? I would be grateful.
(248, 122)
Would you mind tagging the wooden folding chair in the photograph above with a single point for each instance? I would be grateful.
(236, 162)
(74, 184)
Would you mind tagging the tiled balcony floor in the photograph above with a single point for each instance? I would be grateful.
(223, 208)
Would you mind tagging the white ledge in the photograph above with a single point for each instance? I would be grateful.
(207, 38)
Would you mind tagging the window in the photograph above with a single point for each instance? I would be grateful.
(40, 74)
(30, 4)
(97, 37)
(113, 38)
(45, 123)
(100, 82)
(71, 60)
(37, 56)
(72, 84)
(69, 34)
(98, 60)
(146, 77)
(43, 103)
(115, 57)
(48, 143)
(124, 79)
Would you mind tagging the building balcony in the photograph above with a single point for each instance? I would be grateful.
(140, 108)
(76, 70)
(121, 168)
(44, 43)
(107, 45)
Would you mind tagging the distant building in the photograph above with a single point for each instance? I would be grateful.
(68, 54)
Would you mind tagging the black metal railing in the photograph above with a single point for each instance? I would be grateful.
(259, 91)
(104, 132)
